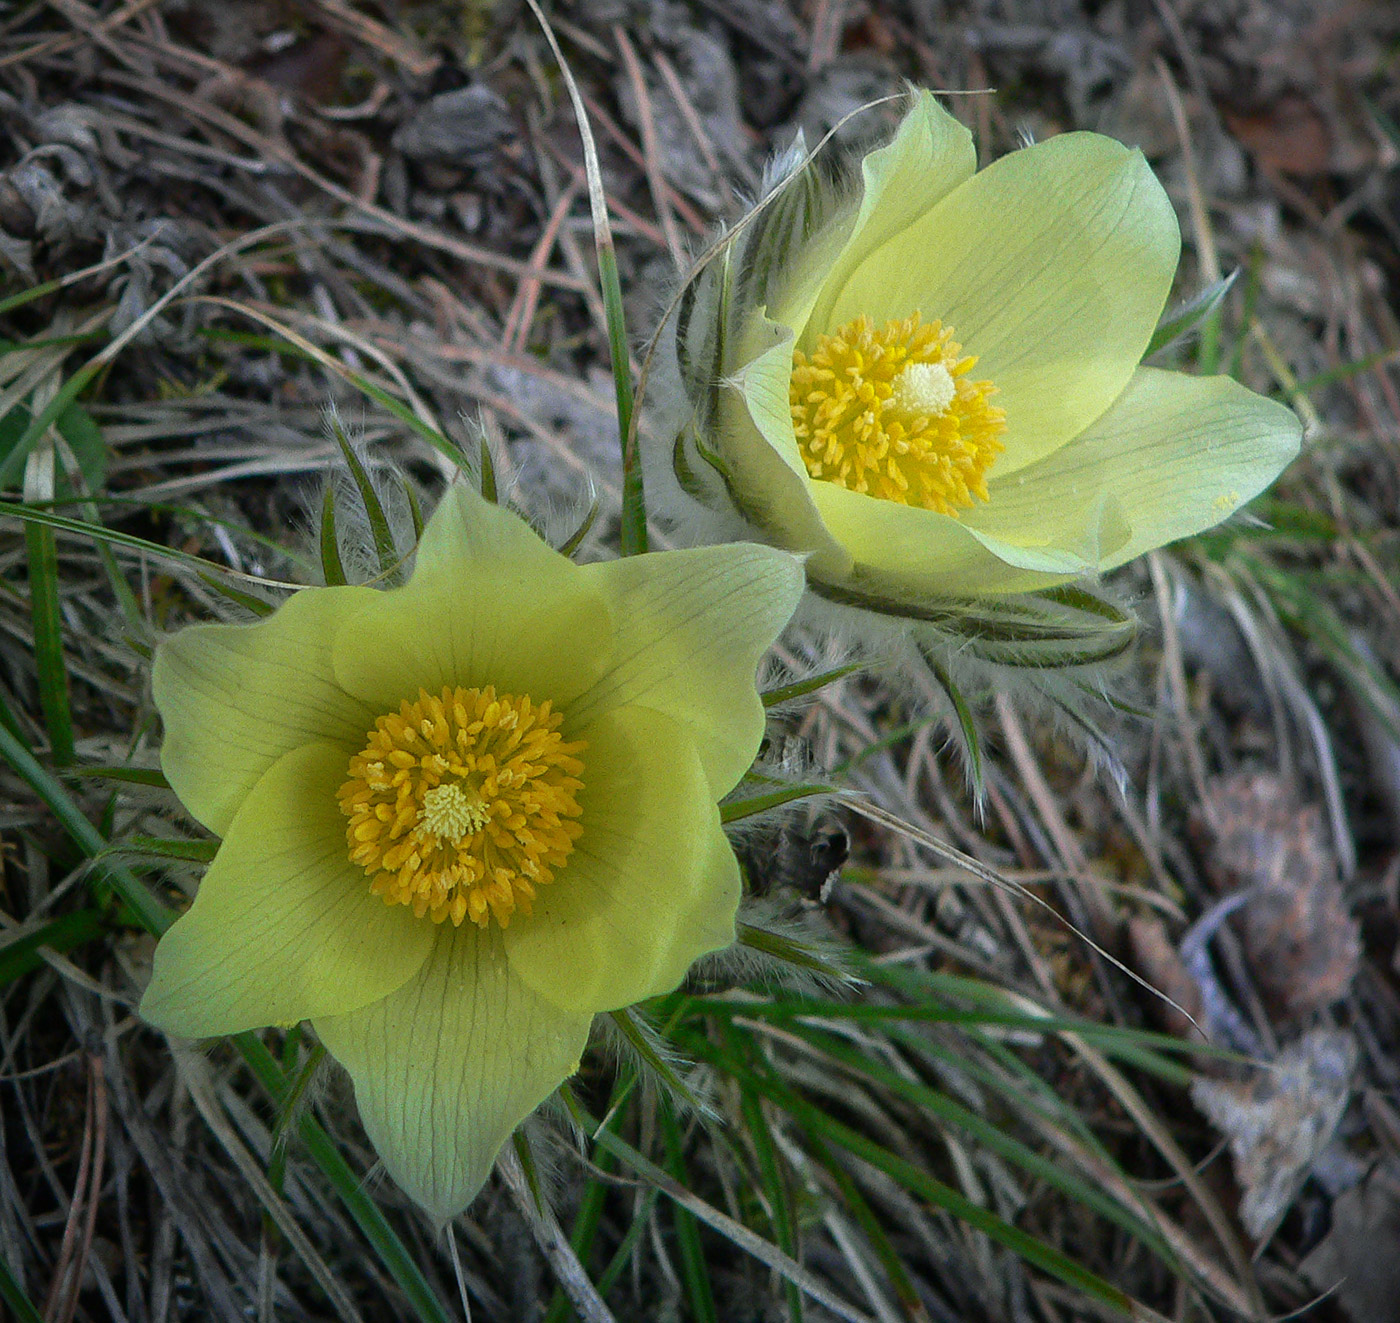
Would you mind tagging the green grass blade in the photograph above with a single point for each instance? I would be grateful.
(19, 1303)
(48, 641)
(72, 278)
(296, 1091)
(256, 605)
(1253, 284)
(140, 776)
(349, 1188)
(586, 1224)
(936, 1103)
(889, 1257)
(734, 810)
(193, 513)
(384, 549)
(287, 342)
(20, 955)
(694, 1269)
(1112, 1039)
(78, 427)
(764, 1251)
(919, 1182)
(1344, 371)
(783, 1215)
(13, 463)
(332, 568)
(634, 512)
(800, 688)
(34, 514)
(590, 1212)
(628, 1246)
(152, 913)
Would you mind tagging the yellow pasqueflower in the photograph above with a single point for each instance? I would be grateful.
(933, 389)
(463, 816)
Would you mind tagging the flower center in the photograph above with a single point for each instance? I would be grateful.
(450, 812)
(890, 412)
(462, 804)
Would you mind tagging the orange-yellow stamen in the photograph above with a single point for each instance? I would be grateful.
(890, 412)
(463, 803)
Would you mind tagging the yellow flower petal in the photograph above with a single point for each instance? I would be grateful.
(446, 1067)
(928, 157)
(691, 629)
(1051, 266)
(766, 477)
(906, 554)
(235, 698)
(488, 603)
(283, 927)
(468, 530)
(1174, 454)
(652, 883)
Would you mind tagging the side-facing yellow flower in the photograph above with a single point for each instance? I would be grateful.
(463, 816)
(932, 386)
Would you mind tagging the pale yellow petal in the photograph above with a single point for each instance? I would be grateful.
(488, 603)
(929, 156)
(446, 1067)
(764, 470)
(691, 629)
(904, 553)
(1052, 266)
(1174, 455)
(235, 698)
(652, 883)
(284, 926)
(467, 530)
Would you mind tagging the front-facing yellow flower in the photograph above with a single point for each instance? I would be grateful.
(462, 817)
(932, 387)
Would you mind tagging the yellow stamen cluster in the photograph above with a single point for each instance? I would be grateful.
(463, 803)
(889, 412)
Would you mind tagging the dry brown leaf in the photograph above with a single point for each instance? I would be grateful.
(1290, 136)
(1279, 1122)
(1345, 1261)
(1302, 945)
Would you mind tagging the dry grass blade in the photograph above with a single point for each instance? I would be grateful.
(764, 1251)
(650, 151)
(195, 1073)
(553, 1244)
(862, 805)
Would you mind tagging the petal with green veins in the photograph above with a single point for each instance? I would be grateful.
(449, 1064)
(691, 629)
(1175, 454)
(284, 927)
(235, 698)
(1052, 266)
(488, 603)
(929, 156)
(652, 883)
